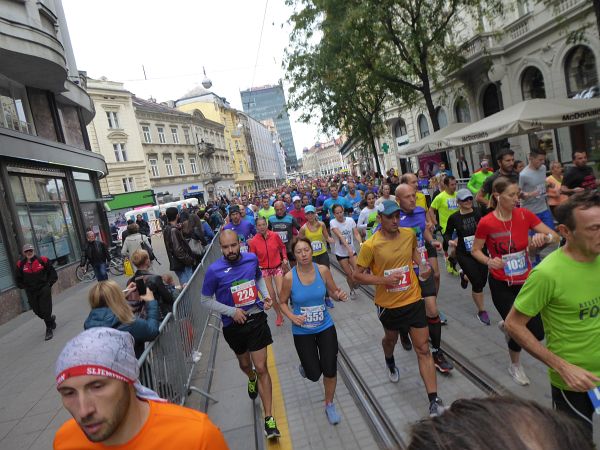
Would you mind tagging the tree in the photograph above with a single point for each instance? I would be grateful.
(578, 34)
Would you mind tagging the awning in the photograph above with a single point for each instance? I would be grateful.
(432, 143)
(527, 117)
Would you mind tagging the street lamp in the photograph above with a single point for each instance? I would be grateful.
(206, 83)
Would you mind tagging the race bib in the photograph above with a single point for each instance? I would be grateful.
(452, 203)
(347, 236)
(315, 316)
(468, 240)
(244, 294)
(243, 247)
(515, 263)
(404, 283)
(283, 235)
(317, 246)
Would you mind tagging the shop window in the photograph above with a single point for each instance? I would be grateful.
(532, 84)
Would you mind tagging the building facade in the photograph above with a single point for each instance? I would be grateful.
(323, 158)
(268, 102)
(49, 189)
(114, 133)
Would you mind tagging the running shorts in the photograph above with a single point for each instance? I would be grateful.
(251, 336)
(322, 259)
(272, 272)
(404, 317)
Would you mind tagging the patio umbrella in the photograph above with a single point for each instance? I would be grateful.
(432, 143)
(526, 117)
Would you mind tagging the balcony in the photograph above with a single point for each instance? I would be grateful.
(215, 176)
(205, 148)
(478, 46)
(519, 27)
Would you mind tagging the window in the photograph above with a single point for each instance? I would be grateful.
(169, 167)
(14, 108)
(113, 121)
(154, 167)
(400, 128)
(461, 110)
(175, 135)
(580, 70)
(181, 164)
(45, 216)
(532, 84)
(128, 184)
(423, 126)
(193, 164)
(186, 136)
(241, 167)
(161, 135)
(147, 135)
(441, 117)
(523, 7)
(120, 153)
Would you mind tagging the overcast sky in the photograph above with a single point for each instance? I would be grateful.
(173, 40)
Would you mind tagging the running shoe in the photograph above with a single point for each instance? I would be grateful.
(352, 294)
(393, 374)
(450, 268)
(406, 342)
(49, 335)
(279, 321)
(253, 386)
(329, 303)
(440, 361)
(463, 280)
(518, 374)
(301, 370)
(484, 318)
(53, 318)
(443, 318)
(332, 415)
(271, 430)
(502, 328)
(436, 407)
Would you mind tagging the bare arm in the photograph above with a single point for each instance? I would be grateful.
(357, 235)
(332, 289)
(480, 198)
(431, 215)
(284, 297)
(326, 235)
(477, 253)
(541, 237)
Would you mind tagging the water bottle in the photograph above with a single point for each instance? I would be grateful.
(423, 266)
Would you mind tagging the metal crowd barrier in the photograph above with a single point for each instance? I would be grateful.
(167, 364)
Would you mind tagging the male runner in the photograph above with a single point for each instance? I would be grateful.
(445, 205)
(267, 210)
(236, 280)
(355, 198)
(506, 161)
(286, 226)
(412, 180)
(389, 256)
(579, 176)
(478, 178)
(335, 199)
(243, 228)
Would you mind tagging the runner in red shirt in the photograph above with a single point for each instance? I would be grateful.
(505, 233)
(298, 211)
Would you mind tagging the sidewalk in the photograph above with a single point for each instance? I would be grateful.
(30, 408)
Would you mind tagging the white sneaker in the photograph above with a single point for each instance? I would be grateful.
(518, 374)
(352, 294)
(394, 374)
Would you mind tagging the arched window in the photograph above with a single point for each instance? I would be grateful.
(532, 84)
(580, 70)
(491, 100)
(441, 117)
(423, 126)
(461, 110)
(400, 128)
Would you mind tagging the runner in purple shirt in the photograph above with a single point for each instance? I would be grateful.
(243, 228)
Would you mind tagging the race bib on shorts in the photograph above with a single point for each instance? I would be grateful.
(317, 246)
(515, 263)
(283, 235)
(244, 294)
(315, 316)
(404, 282)
(468, 240)
(452, 203)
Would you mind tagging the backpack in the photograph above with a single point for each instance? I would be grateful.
(148, 248)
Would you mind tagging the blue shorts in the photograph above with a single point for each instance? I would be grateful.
(546, 218)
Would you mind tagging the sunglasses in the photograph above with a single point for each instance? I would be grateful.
(27, 251)
(468, 199)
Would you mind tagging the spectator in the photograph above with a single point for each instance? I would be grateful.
(126, 232)
(162, 293)
(169, 282)
(134, 240)
(96, 253)
(206, 229)
(181, 258)
(144, 226)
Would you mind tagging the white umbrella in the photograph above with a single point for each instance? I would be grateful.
(432, 143)
(526, 117)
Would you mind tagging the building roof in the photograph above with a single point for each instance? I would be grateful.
(153, 106)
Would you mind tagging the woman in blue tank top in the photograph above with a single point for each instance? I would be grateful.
(314, 333)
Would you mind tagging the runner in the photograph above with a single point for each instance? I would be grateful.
(478, 178)
(389, 257)
(285, 226)
(414, 217)
(315, 336)
(506, 162)
(272, 255)
(564, 289)
(464, 224)
(445, 205)
(345, 232)
(333, 200)
(243, 228)
(580, 176)
(235, 280)
(298, 211)
(412, 180)
(505, 233)
(355, 198)
(554, 183)
(267, 210)
(367, 220)
(386, 191)
(324, 195)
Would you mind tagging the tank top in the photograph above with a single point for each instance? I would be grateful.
(309, 300)
(317, 240)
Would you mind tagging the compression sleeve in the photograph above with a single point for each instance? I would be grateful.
(221, 308)
(262, 287)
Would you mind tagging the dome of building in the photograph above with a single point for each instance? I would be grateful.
(196, 91)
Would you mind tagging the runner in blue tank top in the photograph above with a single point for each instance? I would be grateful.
(314, 333)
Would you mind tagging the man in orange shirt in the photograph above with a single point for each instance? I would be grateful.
(97, 378)
(389, 255)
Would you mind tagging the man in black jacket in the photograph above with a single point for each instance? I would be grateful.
(96, 253)
(36, 275)
(181, 258)
(144, 226)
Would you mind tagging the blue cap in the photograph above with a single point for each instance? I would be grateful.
(309, 208)
(388, 207)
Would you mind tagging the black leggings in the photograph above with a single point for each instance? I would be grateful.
(503, 297)
(474, 270)
(577, 405)
(318, 353)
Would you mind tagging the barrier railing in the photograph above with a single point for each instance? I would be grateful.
(167, 364)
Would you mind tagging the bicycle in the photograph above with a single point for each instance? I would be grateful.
(116, 261)
(85, 273)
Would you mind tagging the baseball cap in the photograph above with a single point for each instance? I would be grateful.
(234, 209)
(105, 352)
(309, 208)
(27, 247)
(296, 198)
(388, 207)
(463, 194)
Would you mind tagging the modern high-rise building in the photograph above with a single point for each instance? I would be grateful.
(268, 102)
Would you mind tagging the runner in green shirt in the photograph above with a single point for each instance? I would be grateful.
(564, 289)
(478, 178)
(445, 205)
(266, 211)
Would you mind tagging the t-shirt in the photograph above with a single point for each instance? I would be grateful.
(347, 230)
(446, 205)
(567, 295)
(385, 256)
(167, 426)
(299, 215)
(579, 177)
(509, 241)
(234, 283)
(531, 180)
(488, 183)
(477, 180)
(367, 220)
(266, 213)
(245, 230)
(465, 226)
(355, 202)
(421, 200)
(331, 202)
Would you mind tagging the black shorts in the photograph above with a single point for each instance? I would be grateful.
(403, 318)
(252, 336)
(431, 251)
(322, 259)
(341, 258)
(428, 288)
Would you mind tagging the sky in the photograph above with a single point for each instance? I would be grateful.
(174, 40)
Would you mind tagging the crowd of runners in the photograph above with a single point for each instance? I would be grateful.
(531, 237)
